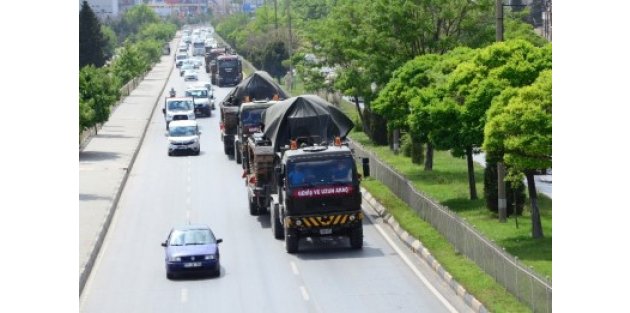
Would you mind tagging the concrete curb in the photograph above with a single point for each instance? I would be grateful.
(87, 269)
(423, 253)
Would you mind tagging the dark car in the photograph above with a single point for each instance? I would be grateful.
(192, 249)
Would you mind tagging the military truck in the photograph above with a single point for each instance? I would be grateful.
(248, 122)
(228, 70)
(258, 86)
(211, 57)
(302, 171)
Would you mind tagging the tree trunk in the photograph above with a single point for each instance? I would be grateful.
(364, 126)
(428, 162)
(471, 174)
(378, 129)
(417, 156)
(537, 231)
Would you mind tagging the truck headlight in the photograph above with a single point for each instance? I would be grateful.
(352, 218)
(298, 223)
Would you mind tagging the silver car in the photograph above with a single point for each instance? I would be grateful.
(191, 75)
(183, 136)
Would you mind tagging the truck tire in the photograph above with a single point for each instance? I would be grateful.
(237, 154)
(226, 149)
(253, 208)
(356, 237)
(276, 227)
(291, 240)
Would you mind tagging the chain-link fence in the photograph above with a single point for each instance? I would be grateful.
(506, 269)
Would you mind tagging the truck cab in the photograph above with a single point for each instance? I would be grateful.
(229, 70)
(249, 121)
(317, 195)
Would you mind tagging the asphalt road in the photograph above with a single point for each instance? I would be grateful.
(257, 275)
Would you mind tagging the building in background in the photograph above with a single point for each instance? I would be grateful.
(179, 7)
(103, 8)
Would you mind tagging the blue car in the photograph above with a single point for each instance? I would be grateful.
(192, 249)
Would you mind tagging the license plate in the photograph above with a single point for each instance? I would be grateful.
(325, 231)
(192, 264)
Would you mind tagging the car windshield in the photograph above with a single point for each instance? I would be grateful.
(182, 57)
(191, 237)
(187, 66)
(181, 105)
(251, 117)
(320, 172)
(182, 131)
(197, 93)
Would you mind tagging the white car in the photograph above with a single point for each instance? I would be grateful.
(180, 58)
(185, 67)
(191, 75)
(176, 109)
(183, 136)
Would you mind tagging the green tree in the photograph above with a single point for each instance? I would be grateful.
(111, 41)
(521, 131)
(86, 114)
(423, 100)
(134, 19)
(393, 100)
(92, 43)
(472, 86)
(98, 89)
(161, 32)
(129, 63)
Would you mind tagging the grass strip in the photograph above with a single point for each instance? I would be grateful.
(466, 272)
(447, 183)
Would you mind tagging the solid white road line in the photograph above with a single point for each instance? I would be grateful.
(414, 269)
(294, 268)
(304, 293)
(184, 295)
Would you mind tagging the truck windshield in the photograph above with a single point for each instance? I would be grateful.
(198, 44)
(320, 172)
(251, 117)
(228, 63)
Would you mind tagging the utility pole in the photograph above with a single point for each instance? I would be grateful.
(275, 10)
(501, 192)
(499, 13)
(500, 167)
(290, 46)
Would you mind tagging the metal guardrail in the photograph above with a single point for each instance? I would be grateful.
(506, 269)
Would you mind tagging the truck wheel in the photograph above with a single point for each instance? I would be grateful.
(237, 155)
(226, 149)
(356, 237)
(253, 208)
(276, 227)
(291, 240)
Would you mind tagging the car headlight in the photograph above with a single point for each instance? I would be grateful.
(175, 259)
(210, 257)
